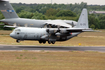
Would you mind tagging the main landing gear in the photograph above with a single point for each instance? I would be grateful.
(42, 42)
(53, 42)
(49, 42)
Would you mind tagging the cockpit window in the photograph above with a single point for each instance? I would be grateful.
(17, 30)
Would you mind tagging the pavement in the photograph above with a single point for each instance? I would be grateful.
(51, 48)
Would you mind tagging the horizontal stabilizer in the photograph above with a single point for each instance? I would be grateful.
(80, 30)
(88, 30)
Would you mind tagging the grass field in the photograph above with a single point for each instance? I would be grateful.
(26, 60)
(5, 32)
(85, 39)
(47, 60)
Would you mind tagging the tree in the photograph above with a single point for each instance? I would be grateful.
(25, 14)
(51, 12)
(63, 13)
(1, 16)
(93, 22)
(38, 15)
(92, 26)
(102, 21)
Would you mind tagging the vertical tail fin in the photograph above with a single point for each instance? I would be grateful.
(7, 10)
(83, 20)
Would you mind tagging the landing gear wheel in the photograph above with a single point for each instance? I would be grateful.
(40, 42)
(49, 42)
(18, 41)
(44, 42)
(53, 42)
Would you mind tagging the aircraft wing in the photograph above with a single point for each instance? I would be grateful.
(58, 23)
(80, 30)
(65, 30)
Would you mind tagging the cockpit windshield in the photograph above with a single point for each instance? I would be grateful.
(17, 30)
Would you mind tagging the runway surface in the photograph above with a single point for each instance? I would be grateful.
(51, 48)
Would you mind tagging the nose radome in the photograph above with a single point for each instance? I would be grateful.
(12, 35)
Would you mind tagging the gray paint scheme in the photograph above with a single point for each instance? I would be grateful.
(22, 22)
(83, 20)
(42, 34)
(52, 34)
(7, 10)
(27, 33)
(12, 18)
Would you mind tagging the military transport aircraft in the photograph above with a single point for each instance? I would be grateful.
(52, 34)
(11, 18)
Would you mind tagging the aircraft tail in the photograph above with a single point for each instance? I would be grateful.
(7, 10)
(83, 20)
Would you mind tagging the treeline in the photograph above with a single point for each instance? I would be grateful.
(60, 11)
(42, 8)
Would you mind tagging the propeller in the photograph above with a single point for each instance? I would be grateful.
(57, 32)
(72, 24)
(58, 29)
(47, 30)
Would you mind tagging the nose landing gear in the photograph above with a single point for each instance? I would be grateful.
(18, 41)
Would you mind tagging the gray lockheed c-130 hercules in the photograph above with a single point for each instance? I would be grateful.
(52, 34)
(11, 18)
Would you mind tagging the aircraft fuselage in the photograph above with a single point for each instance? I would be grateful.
(22, 22)
(39, 34)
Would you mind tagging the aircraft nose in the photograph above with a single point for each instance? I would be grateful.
(12, 35)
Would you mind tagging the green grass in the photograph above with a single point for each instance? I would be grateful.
(72, 60)
(52, 61)
(5, 32)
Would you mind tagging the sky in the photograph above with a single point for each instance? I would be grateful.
(89, 2)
